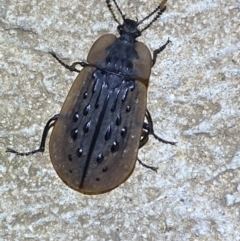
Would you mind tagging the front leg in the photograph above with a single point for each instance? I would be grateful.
(158, 51)
(69, 67)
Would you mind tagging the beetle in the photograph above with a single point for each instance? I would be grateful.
(96, 136)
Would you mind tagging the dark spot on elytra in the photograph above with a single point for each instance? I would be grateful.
(86, 127)
(113, 108)
(114, 147)
(74, 133)
(86, 110)
(108, 133)
(70, 157)
(79, 152)
(100, 158)
(96, 105)
(108, 60)
(76, 117)
(118, 120)
(128, 108)
(85, 95)
(132, 87)
(70, 171)
(97, 179)
(124, 132)
(105, 169)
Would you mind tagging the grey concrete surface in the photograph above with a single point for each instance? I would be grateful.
(193, 97)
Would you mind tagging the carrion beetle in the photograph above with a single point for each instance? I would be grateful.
(97, 134)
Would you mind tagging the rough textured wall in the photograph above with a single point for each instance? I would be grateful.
(193, 97)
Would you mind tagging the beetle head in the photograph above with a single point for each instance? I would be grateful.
(129, 28)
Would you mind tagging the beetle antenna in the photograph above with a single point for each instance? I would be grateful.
(119, 10)
(160, 9)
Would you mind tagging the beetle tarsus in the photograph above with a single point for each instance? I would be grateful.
(162, 140)
(41, 148)
(158, 51)
(147, 166)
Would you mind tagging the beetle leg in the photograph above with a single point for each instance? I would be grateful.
(71, 67)
(143, 141)
(43, 140)
(148, 130)
(147, 166)
(149, 127)
(158, 51)
(145, 136)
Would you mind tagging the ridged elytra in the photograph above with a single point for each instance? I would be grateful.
(96, 136)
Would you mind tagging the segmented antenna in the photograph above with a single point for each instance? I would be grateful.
(160, 9)
(119, 10)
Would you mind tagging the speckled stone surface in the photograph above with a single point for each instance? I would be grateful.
(193, 97)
